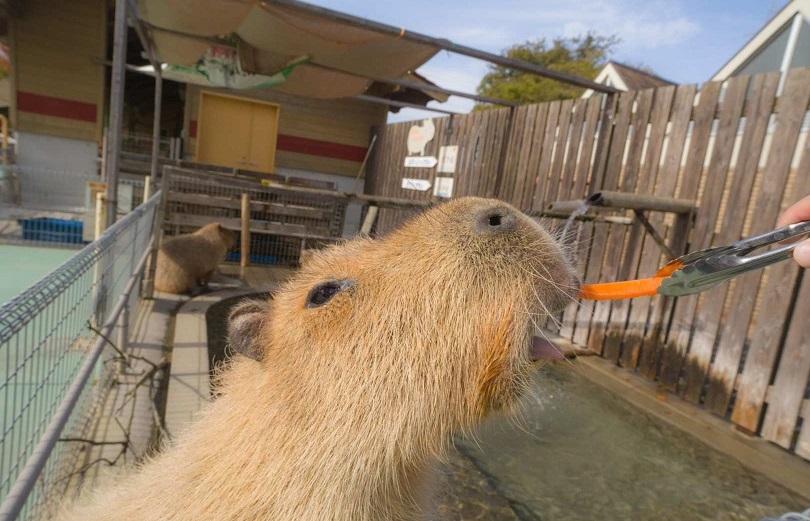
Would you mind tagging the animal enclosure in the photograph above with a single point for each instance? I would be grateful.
(282, 221)
(738, 151)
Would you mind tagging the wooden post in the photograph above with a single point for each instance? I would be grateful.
(368, 222)
(244, 256)
(147, 188)
(100, 219)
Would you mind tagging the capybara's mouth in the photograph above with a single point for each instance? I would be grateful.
(544, 349)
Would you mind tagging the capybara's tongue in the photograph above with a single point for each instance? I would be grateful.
(543, 349)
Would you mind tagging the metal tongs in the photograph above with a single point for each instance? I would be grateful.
(704, 269)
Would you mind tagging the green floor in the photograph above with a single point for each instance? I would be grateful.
(22, 266)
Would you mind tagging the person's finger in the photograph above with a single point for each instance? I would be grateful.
(802, 254)
(798, 212)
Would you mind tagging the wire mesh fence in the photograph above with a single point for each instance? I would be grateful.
(283, 221)
(47, 348)
(49, 214)
(44, 188)
(142, 144)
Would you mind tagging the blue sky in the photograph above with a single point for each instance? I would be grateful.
(685, 41)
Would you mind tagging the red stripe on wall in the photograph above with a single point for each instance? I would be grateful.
(59, 107)
(312, 147)
(315, 147)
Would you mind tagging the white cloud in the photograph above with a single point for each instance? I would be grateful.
(642, 26)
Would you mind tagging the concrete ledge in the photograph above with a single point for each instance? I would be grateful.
(757, 454)
(189, 380)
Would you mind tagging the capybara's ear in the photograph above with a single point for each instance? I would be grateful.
(245, 326)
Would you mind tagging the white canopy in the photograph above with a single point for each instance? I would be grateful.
(320, 57)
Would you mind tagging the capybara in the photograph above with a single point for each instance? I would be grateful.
(185, 261)
(357, 373)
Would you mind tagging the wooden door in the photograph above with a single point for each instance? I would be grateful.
(236, 132)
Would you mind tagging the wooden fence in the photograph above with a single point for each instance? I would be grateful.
(737, 151)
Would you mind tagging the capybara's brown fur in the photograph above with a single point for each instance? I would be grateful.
(357, 374)
(185, 261)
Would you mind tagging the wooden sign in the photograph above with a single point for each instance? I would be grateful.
(421, 185)
(421, 161)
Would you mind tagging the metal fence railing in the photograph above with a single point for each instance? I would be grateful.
(54, 369)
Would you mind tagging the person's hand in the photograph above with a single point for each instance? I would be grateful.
(798, 212)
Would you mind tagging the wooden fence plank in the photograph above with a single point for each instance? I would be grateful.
(754, 379)
(541, 197)
(533, 166)
(790, 383)
(622, 237)
(591, 272)
(637, 239)
(584, 167)
(500, 125)
(591, 261)
(572, 149)
(618, 143)
(604, 131)
(466, 177)
(676, 102)
(723, 370)
(673, 353)
(522, 170)
(596, 236)
(481, 140)
(462, 177)
(513, 150)
(566, 149)
(560, 142)
(581, 171)
(698, 357)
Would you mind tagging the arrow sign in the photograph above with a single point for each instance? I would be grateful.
(421, 161)
(422, 185)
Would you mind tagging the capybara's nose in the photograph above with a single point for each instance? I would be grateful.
(494, 220)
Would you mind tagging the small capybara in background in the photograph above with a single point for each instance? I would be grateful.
(357, 373)
(188, 260)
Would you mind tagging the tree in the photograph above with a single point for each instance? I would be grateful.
(581, 56)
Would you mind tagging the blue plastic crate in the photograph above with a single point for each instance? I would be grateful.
(50, 229)
(233, 256)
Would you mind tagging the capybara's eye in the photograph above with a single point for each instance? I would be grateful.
(323, 293)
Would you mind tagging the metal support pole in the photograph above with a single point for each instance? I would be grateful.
(156, 122)
(157, 234)
(244, 253)
(417, 85)
(117, 79)
(123, 336)
(365, 161)
(394, 103)
(447, 45)
(654, 234)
